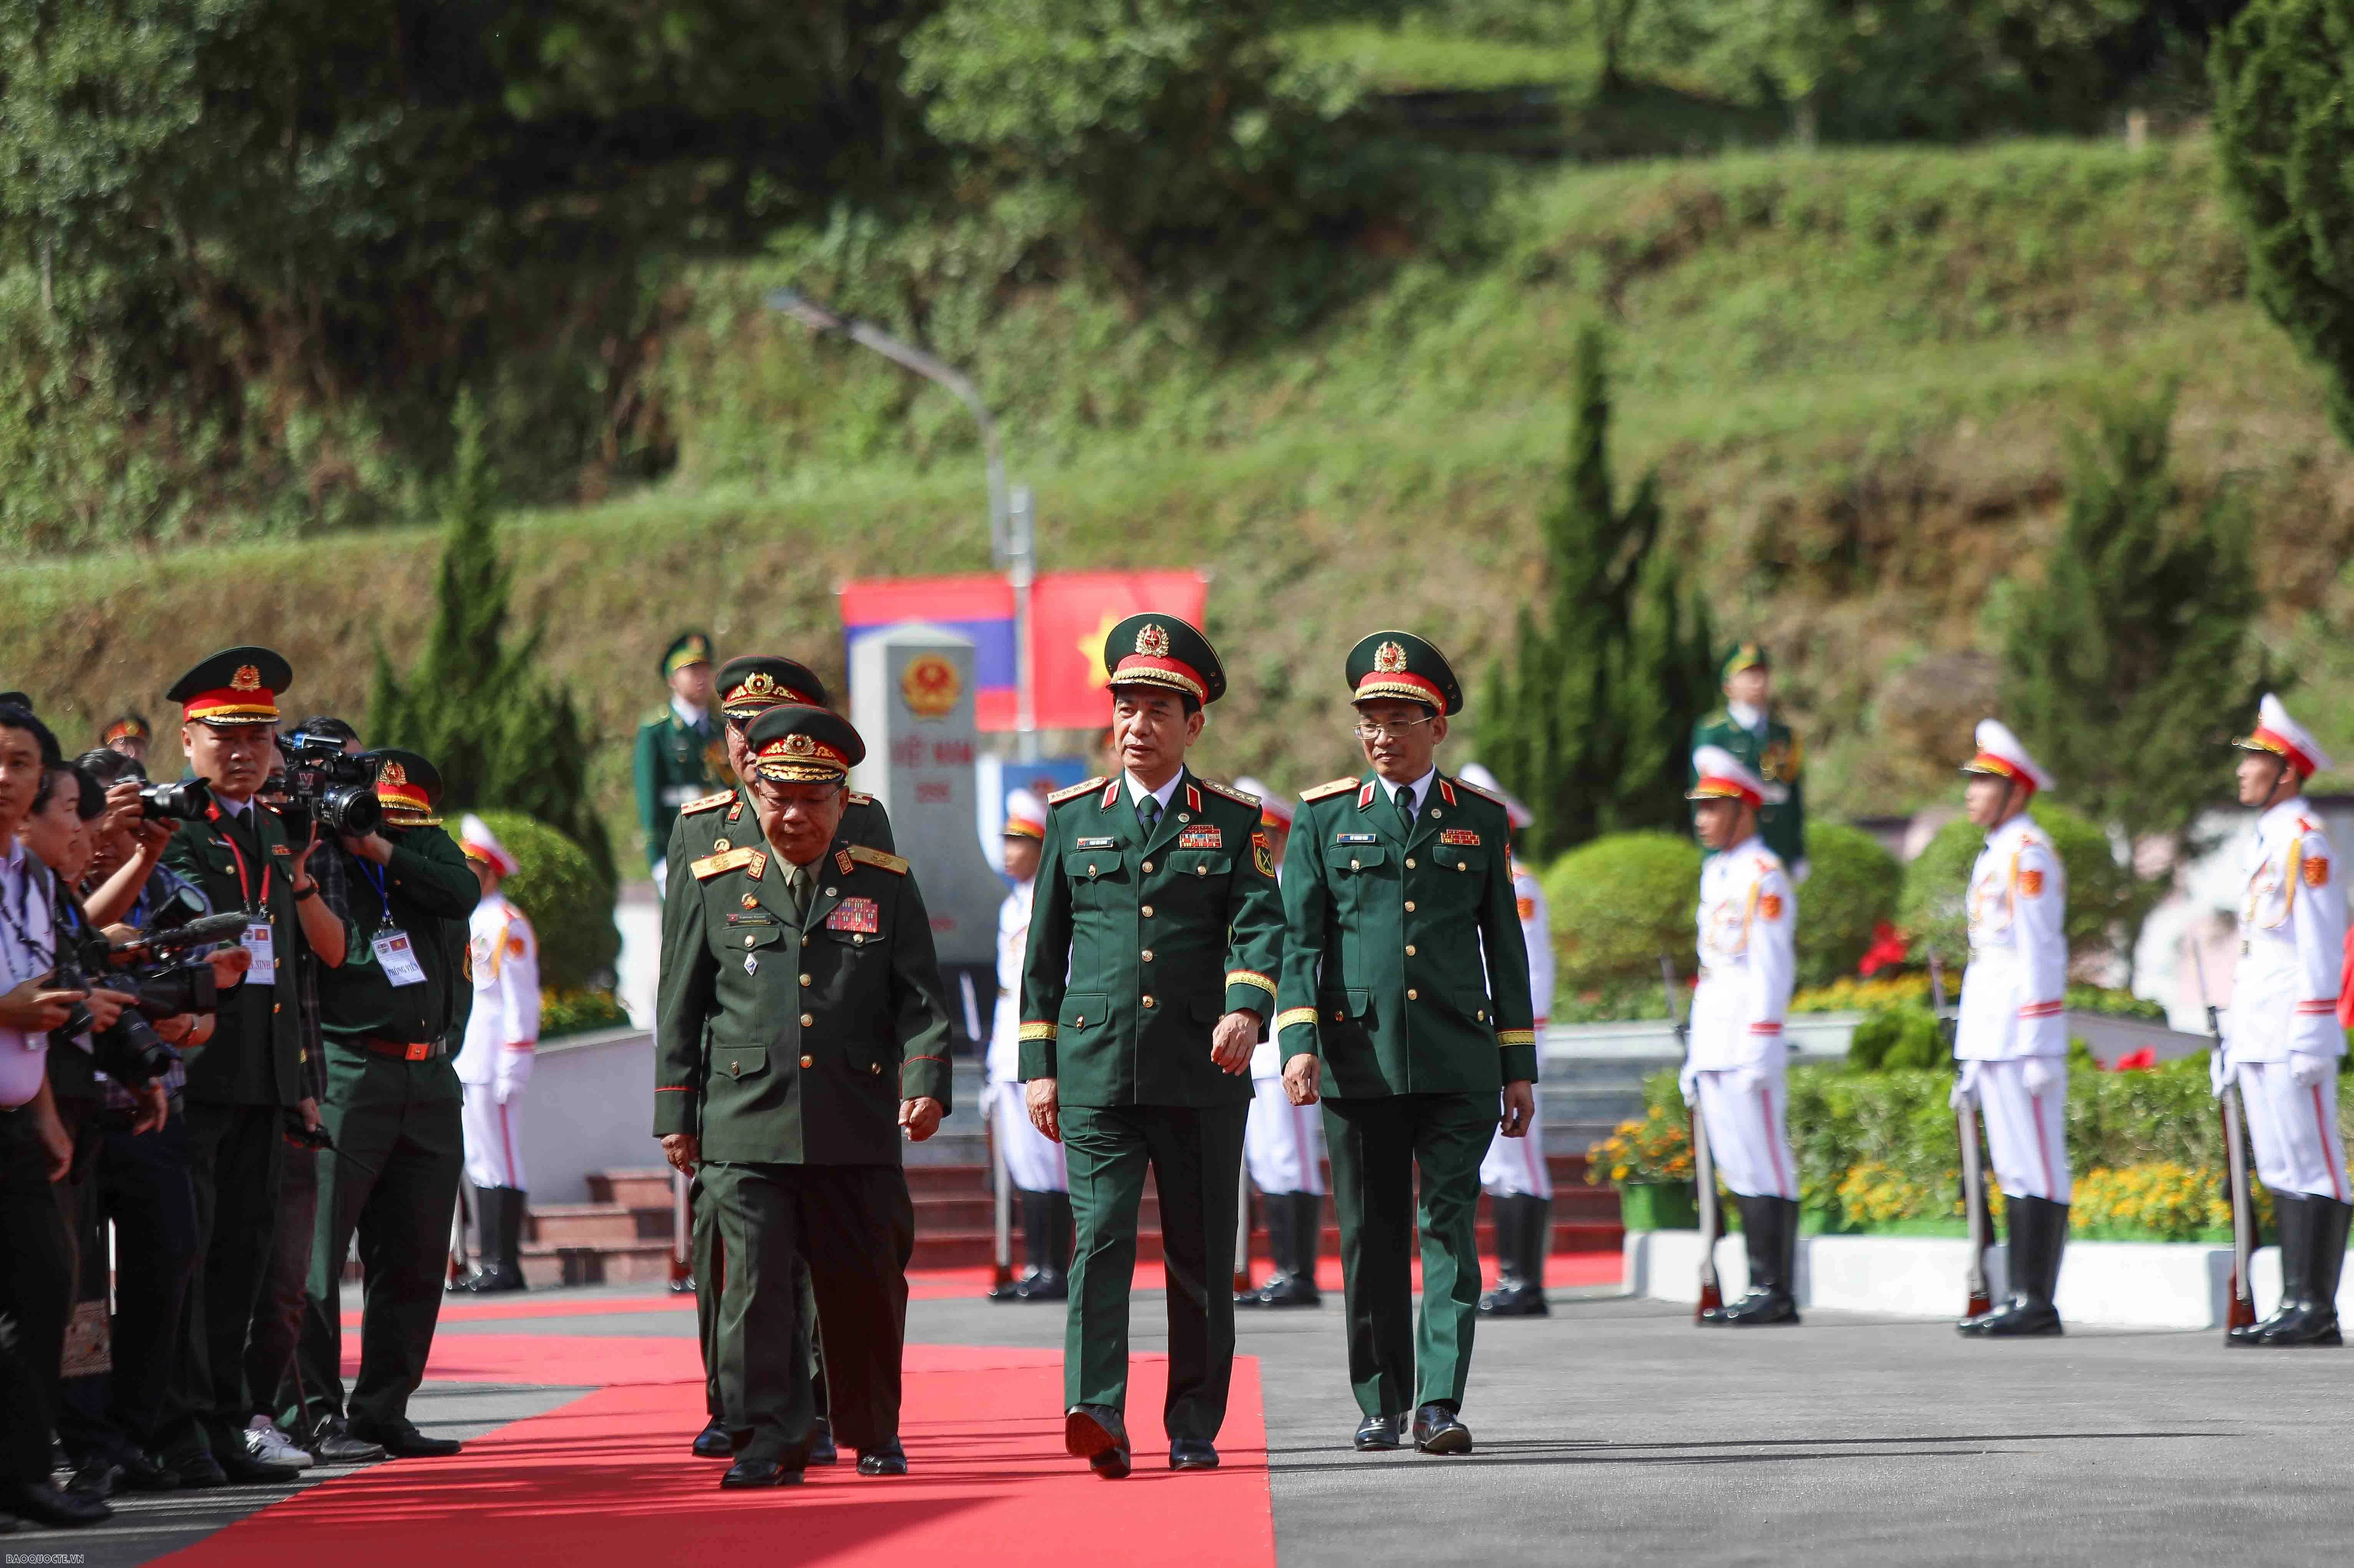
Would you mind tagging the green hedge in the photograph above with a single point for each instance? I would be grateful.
(1618, 903)
(2100, 890)
(571, 908)
(1852, 885)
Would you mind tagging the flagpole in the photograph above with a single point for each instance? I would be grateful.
(1021, 569)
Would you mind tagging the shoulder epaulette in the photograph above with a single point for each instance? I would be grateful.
(654, 716)
(875, 857)
(1075, 790)
(1241, 797)
(1721, 716)
(1334, 788)
(1468, 787)
(707, 803)
(856, 798)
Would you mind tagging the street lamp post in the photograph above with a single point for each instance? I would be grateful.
(1012, 540)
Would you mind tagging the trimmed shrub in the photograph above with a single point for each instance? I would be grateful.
(2100, 890)
(1852, 885)
(1896, 1037)
(571, 908)
(1621, 901)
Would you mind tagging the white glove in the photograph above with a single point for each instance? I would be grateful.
(2305, 1070)
(1966, 1087)
(2044, 1074)
(1689, 1082)
(2218, 1073)
(1800, 872)
(1746, 1081)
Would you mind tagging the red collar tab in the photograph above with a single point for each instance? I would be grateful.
(1193, 798)
(1445, 791)
(1365, 796)
(1110, 794)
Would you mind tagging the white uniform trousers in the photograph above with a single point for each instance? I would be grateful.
(1515, 1167)
(1283, 1143)
(1034, 1162)
(2026, 1134)
(494, 1152)
(2294, 1132)
(1743, 1109)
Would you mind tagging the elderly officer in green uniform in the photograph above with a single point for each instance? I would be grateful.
(1406, 1008)
(392, 996)
(1747, 727)
(242, 1086)
(800, 1026)
(680, 754)
(749, 687)
(1150, 975)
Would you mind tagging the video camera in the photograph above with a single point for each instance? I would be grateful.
(129, 1050)
(323, 786)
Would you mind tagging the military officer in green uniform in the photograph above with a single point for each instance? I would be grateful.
(1747, 727)
(1406, 1010)
(393, 1000)
(1150, 975)
(249, 1079)
(748, 687)
(680, 753)
(799, 1028)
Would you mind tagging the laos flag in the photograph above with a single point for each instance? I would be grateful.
(980, 606)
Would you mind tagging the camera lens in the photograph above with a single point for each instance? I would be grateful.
(351, 809)
(181, 800)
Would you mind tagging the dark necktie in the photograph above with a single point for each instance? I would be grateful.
(796, 890)
(1147, 812)
(1405, 799)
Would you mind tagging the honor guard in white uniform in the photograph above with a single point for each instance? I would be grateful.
(1514, 1175)
(1283, 1143)
(2283, 1038)
(495, 1062)
(1734, 1070)
(2011, 1041)
(1034, 1162)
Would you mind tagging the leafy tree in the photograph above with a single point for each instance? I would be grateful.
(2127, 671)
(1591, 724)
(472, 703)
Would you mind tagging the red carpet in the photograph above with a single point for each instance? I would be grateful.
(606, 1478)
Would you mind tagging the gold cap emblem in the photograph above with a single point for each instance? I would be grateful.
(248, 679)
(1389, 659)
(394, 774)
(1152, 640)
(760, 683)
(799, 745)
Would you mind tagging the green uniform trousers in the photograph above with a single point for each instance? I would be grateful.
(393, 1179)
(710, 1262)
(1377, 1144)
(1196, 1153)
(235, 1156)
(854, 1227)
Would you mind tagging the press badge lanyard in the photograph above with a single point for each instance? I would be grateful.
(258, 939)
(390, 943)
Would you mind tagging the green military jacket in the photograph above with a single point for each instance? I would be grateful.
(672, 763)
(428, 891)
(816, 1028)
(1138, 947)
(1403, 966)
(1776, 757)
(255, 1056)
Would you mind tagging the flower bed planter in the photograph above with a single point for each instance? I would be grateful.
(1659, 1206)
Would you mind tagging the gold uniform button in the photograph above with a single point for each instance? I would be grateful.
(1481, 1015)
(1148, 955)
(1201, 871)
(809, 1060)
(1414, 995)
(829, 893)
(875, 1068)
(1409, 863)
(858, 938)
(1462, 866)
(748, 941)
(805, 979)
(808, 1021)
(1409, 906)
(1356, 865)
(277, 1007)
(1338, 1015)
(1145, 911)
(1409, 949)
(1148, 999)
(1148, 865)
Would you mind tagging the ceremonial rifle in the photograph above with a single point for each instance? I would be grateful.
(1965, 1130)
(2242, 1311)
(1712, 1295)
(1000, 1193)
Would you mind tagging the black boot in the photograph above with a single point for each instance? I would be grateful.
(1284, 1287)
(1506, 1209)
(1299, 1257)
(511, 1250)
(477, 1202)
(1052, 1281)
(1536, 1246)
(1749, 1224)
(1033, 1206)
(1770, 1227)
(502, 1268)
(2288, 1222)
(1522, 1225)
(2321, 1227)
(2039, 1232)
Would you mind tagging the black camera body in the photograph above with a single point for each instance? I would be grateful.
(129, 1050)
(181, 800)
(322, 787)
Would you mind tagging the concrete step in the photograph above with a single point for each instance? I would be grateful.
(643, 1189)
(639, 1263)
(595, 1225)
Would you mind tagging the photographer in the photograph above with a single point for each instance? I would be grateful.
(243, 1083)
(390, 999)
(34, 1152)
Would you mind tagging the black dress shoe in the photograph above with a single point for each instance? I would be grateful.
(138, 1471)
(1191, 1454)
(885, 1458)
(713, 1442)
(44, 1504)
(1436, 1431)
(197, 1469)
(748, 1473)
(402, 1440)
(1096, 1432)
(821, 1445)
(330, 1443)
(244, 1470)
(94, 1481)
(1379, 1434)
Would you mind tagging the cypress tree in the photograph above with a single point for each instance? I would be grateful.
(473, 701)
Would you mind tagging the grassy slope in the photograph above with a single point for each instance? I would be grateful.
(1857, 372)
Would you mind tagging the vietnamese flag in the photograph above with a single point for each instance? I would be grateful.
(1071, 613)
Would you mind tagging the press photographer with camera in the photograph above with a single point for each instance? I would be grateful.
(240, 1085)
(390, 1001)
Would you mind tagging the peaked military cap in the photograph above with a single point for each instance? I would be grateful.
(794, 743)
(16, 700)
(130, 727)
(1155, 650)
(408, 787)
(756, 680)
(236, 685)
(1747, 656)
(2282, 737)
(1401, 666)
(686, 648)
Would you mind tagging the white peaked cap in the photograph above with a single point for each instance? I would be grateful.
(1026, 815)
(1720, 776)
(478, 843)
(2001, 753)
(1514, 812)
(2278, 733)
(1274, 811)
